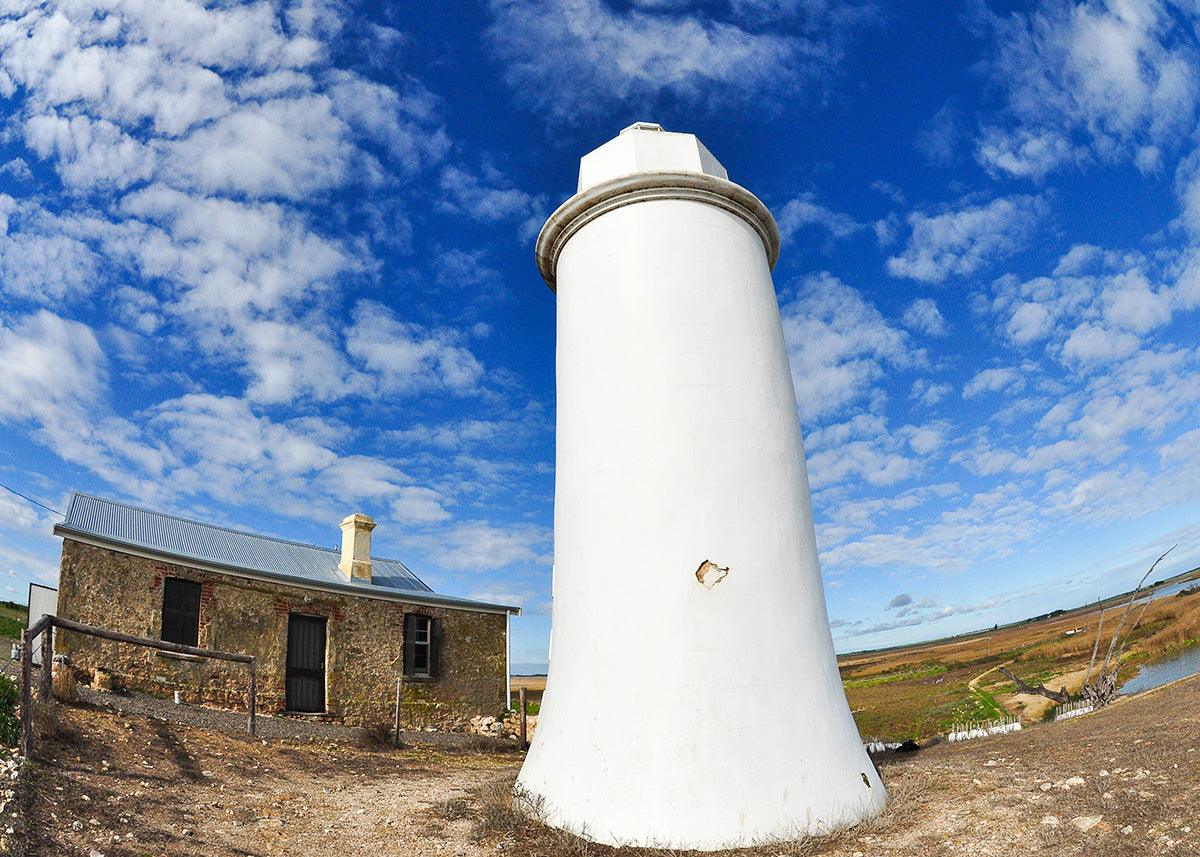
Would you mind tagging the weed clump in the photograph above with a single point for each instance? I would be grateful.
(375, 738)
(10, 726)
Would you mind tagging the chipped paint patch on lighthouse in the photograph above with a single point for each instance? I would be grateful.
(710, 574)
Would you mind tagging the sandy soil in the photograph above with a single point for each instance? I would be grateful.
(1124, 781)
(132, 785)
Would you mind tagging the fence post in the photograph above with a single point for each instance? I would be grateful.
(399, 683)
(252, 692)
(524, 743)
(26, 694)
(47, 662)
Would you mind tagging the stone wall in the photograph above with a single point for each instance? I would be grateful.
(364, 648)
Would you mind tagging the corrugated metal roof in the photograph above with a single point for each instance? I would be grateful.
(191, 540)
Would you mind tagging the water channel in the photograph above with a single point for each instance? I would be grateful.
(1150, 676)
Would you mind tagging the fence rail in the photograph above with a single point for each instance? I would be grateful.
(47, 622)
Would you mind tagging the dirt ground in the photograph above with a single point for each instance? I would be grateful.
(1124, 781)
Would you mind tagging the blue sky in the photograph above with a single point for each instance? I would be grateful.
(268, 264)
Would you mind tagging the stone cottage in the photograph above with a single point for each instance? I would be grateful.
(333, 632)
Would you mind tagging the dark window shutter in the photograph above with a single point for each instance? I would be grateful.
(181, 611)
(435, 648)
(410, 638)
(422, 646)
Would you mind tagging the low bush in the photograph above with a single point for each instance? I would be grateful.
(10, 726)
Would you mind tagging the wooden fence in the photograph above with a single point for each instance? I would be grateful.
(42, 626)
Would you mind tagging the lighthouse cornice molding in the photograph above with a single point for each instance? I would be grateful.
(600, 199)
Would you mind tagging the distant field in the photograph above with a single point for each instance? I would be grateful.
(922, 690)
(13, 620)
(534, 686)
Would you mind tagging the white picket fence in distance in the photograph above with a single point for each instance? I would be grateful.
(983, 728)
(961, 732)
(1073, 709)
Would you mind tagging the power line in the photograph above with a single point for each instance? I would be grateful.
(31, 500)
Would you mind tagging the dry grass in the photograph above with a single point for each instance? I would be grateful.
(376, 738)
(1179, 621)
(499, 818)
(925, 690)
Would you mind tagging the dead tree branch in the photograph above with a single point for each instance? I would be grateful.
(1095, 647)
(1105, 687)
(1059, 696)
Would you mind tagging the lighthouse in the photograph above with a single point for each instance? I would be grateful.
(693, 698)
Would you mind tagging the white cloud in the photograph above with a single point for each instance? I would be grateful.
(1078, 259)
(54, 380)
(804, 211)
(907, 619)
(417, 505)
(91, 153)
(230, 255)
(1130, 302)
(224, 448)
(280, 149)
(864, 448)
(229, 448)
(1030, 321)
(404, 357)
(1185, 448)
(859, 459)
(923, 316)
(1096, 307)
(287, 361)
(1092, 343)
(575, 58)
(939, 138)
(41, 258)
(1023, 153)
(490, 198)
(192, 142)
(960, 242)
(925, 440)
(469, 271)
(52, 370)
(483, 547)
(838, 345)
(1100, 80)
(404, 121)
(928, 393)
(992, 381)
(519, 427)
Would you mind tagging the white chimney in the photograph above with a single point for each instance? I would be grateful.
(356, 547)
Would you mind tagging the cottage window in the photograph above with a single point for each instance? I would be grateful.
(422, 646)
(181, 611)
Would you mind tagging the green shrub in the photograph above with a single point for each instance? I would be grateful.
(10, 726)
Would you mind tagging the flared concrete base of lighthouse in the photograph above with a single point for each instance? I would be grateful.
(693, 699)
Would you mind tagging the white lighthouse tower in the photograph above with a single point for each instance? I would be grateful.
(693, 698)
